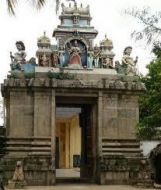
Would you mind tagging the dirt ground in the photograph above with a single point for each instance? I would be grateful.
(85, 187)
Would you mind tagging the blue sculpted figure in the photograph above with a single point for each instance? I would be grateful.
(90, 60)
(61, 58)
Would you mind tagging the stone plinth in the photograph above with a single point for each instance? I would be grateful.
(16, 184)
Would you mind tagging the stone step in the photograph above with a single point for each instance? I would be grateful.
(105, 139)
(33, 139)
(124, 154)
(122, 144)
(73, 180)
(28, 143)
(41, 143)
(28, 149)
(39, 153)
(121, 150)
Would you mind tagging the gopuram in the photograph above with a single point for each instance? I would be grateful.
(73, 108)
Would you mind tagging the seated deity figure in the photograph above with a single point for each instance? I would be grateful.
(19, 57)
(74, 52)
(128, 62)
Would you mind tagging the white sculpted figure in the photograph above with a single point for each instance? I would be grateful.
(19, 57)
(18, 174)
(128, 62)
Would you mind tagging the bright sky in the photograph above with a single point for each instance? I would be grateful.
(108, 18)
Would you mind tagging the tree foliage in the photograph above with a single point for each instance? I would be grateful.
(150, 102)
(11, 4)
(151, 30)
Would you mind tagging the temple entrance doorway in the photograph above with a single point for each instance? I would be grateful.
(155, 160)
(68, 141)
(76, 142)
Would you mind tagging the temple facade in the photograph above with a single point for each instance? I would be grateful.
(73, 108)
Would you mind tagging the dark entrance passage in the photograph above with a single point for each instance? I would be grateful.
(88, 145)
(76, 142)
(157, 165)
(155, 160)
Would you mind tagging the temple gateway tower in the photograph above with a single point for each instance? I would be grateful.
(73, 110)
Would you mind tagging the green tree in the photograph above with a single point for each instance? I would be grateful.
(150, 102)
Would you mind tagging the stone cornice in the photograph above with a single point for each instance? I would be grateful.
(103, 84)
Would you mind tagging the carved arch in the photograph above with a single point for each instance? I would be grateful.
(77, 38)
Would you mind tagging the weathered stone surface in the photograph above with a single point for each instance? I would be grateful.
(113, 82)
(37, 170)
(30, 123)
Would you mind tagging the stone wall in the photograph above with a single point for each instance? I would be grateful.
(42, 114)
(20, 114)
(120, 116)
(30, 126)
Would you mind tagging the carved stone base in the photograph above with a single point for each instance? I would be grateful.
(125, 170)
(16, 184)
(158, 186)
(37, 171)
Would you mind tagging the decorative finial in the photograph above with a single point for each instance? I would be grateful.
(44, 33)
(81, 5)
(105, 36)
(75, 3)
(69, 4)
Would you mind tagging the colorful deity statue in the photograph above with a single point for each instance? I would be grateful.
(74, 52)
(44, 60)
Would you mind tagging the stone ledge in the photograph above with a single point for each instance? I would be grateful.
(110, 84)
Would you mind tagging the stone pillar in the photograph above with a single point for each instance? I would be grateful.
(53, 130)
(38, 170)
(110, 117)
(99, 134)
(42, 126)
